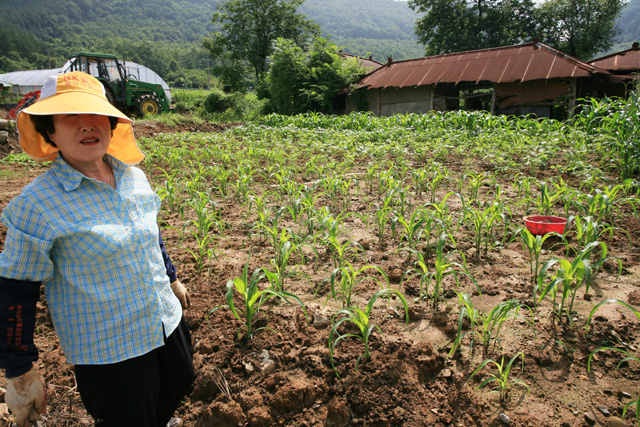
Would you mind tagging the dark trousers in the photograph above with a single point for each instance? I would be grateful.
(144, 391)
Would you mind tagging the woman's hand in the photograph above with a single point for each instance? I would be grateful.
(181, 292)
(25, 398)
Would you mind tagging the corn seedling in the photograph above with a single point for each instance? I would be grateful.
(533, 245)
(252, 299)
(443, 268)
(413, 227)
(484, 219)
(362, 320)
(569, 277)
(501, 378)
(486, 326)
(345, 279)
(548, 197)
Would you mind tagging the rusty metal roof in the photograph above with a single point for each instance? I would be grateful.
(518, 63)
(368, 63)
(627, 60)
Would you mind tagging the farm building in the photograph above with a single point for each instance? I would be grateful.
(529, 78)
(623, 64)
(367, 63)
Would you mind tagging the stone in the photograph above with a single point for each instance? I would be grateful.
(604, 410)
(320, 322)
(268, 365)
(615, 422)
(504, 419)
(589, 418)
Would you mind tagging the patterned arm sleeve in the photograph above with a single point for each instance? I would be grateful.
(24, 264)
(17, 323)
(171, 269)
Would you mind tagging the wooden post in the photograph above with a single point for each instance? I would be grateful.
(494, 98)
(431, 97)
(572, 98)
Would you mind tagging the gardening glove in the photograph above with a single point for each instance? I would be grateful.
(181, 292)
(25, 397)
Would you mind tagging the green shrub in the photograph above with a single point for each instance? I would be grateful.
(217, 101)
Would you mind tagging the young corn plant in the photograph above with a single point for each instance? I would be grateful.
(413, 227)
(567, 278)
(345, 279)
(444, 268)
(362, 320)
(588, 230)
(613, 199)
(439, 175)
(342, 252)
(533, 245)
(502, 379)
(252, 298)
(484, 220)
(474, 181)
(487, 326)
(441, 211)
(169, 193)
(549, 195)
(420, 270)
(286, 247)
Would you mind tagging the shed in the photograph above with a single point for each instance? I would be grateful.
(622, 63)
(519, 79)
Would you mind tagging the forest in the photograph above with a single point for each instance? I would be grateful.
(166, 35)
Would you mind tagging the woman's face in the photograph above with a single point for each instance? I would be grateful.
(83, 139)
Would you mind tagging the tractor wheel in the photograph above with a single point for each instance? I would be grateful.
(148, 105)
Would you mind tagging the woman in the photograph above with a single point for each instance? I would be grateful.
(87, 229)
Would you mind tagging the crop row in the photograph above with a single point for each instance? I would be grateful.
(436, 189)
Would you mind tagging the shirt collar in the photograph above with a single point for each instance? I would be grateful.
(71, 178)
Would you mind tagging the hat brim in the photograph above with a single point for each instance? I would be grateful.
(123, 145)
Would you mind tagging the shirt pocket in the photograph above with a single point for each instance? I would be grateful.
(97, 241)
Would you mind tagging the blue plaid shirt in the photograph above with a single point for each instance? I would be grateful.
(96, 251)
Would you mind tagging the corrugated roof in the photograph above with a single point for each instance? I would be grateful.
(369, 63)
(627, 60)
(518, 63)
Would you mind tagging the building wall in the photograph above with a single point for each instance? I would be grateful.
(390, 101)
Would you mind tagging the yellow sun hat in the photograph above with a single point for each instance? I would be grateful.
(76, 93)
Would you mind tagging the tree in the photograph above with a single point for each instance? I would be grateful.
(301, 81)
(458, 25)
(581, 28)
(248, 29)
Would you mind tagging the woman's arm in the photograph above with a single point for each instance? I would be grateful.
(178, 288)
(18, 300)
(171, 269)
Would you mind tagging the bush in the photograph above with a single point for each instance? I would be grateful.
(217, 101)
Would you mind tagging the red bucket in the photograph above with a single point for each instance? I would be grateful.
(541, 224)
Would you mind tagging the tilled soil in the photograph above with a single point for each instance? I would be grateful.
(283, 376)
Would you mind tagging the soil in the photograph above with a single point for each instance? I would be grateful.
(283, 376)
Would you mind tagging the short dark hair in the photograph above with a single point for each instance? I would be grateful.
(44, 125)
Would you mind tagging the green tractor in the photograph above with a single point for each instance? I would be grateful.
(123, 90)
